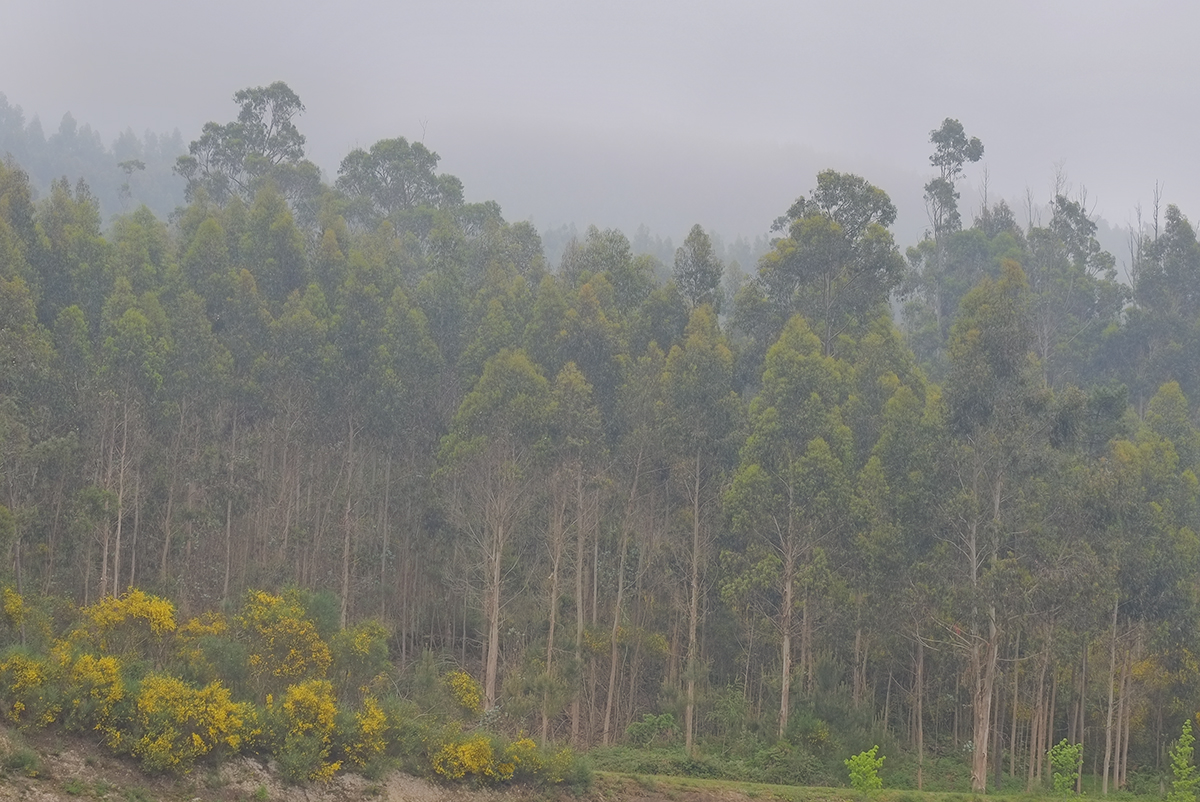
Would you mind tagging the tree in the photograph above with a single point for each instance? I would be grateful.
(952, 149)
(1075, 293)
(698, 270)
(489, 459)
(990, 395)
(790, 488)
(701, 410)
(395, 177)
(235, 159)
(839, 263)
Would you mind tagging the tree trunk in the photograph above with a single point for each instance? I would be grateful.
(693, 614)
(785, 648)
(347, 524)
(616, 623)
(919, 682)
(1108, 724)
(556, 533)
(580, 544)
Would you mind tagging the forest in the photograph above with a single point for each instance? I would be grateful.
(684, 516)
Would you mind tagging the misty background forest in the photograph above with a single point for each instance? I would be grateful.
(718, 507)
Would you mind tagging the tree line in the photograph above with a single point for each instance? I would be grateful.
(944, 497)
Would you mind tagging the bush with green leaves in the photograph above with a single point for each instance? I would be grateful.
(1065, 760)
(864, 770)
(652, 728)
(1183, 766)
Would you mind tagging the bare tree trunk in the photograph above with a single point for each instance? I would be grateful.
(1108, 725)
(919, 681)
(116, 583)
(229, 510)
(347, 524)
(616, 623)
(556, 532)
(384, 547)
(580, 535)
(1012, 740)
(493, 615)
(1032, 771)
(137, 520)
(785, 631)
(693, 615)
(1081, 728)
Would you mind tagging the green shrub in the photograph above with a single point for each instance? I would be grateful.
(1065, 760)
(864, 770)
(23, 760)
(1183, 766)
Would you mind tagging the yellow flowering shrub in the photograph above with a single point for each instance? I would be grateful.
(212, 623)
(14, 608)
(112, 611)
(177, 723)
(370, 730)
(466, 691)
(474, 758)
(524, 757)
(309, 714)
(283, 642)
(93, 689)
(132, 624)
(25, 691)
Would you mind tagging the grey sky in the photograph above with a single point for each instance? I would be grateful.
(667, 113)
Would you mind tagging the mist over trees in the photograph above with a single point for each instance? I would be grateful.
(941, 497)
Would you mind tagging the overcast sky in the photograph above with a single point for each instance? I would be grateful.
(667, 113)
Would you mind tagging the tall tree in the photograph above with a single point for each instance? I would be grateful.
(490, 460)
(262, 144)
(839, 263)
(990, 394)
(951, 151)
(698, 270)
(786, 498)
(702, 415)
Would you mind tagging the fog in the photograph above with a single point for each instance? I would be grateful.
(664, 113)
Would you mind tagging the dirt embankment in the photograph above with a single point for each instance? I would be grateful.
(49, 767)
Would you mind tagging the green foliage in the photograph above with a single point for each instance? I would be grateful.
(22, 760)
(1183, 767)
(651, 729)
(1066, 759)
(864, 770)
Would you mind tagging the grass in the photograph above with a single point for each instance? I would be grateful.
(614, 783)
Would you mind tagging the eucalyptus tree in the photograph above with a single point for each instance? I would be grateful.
(394, 179)
(998, 434)
(952, 151)
(701, 414)
(491, 461)
(262, 145)
(837, 265)
(790, 489)
(1075, 293)
(698, 270)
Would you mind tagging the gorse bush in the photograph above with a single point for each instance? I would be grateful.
(94, 687)
(309, 715)
(176, 724)
(466, 691)
(283, 643)
(261, 681)
(24, 684)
